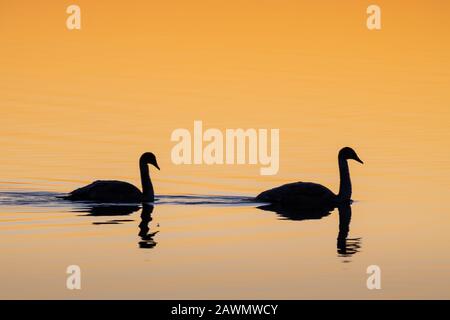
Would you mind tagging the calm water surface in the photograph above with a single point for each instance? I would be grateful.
(224, 246)
(80, 106)
(212, 242)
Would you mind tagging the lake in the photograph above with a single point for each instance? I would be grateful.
(77, 106)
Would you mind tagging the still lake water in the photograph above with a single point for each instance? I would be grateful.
(224, 247)
(81, 106)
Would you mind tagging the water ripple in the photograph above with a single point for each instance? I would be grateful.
(54, 199)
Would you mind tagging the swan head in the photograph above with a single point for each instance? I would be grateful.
(348, 153)
(149, 158)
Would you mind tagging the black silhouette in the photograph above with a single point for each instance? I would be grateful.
(109, 210)
(312, 195)
(298, 213)
(147, 241)
(345, 247)
(115, 221)
(119, 191)
(99, 210)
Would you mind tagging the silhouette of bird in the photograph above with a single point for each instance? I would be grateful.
(313, 195)
(119, 191)
(147, 241)
(346, 247)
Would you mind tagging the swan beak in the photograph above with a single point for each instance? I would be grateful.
(359, 160)
(157, 167)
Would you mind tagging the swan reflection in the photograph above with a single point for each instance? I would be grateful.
(346, 247)
(112, 210)
(147, 241)
(104, 210)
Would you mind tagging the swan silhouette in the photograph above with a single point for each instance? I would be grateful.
(147, 241)
(119, 191)
(107, 210)
(346, 247)
(99, 210)
(313, 195)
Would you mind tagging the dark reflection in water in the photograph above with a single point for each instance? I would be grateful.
(147, 241)
(115, 221)
(346, 247)
(108, 210)
(99, 210)
(292, 212)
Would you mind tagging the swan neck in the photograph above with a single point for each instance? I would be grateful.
(345, 187)
(147, 187)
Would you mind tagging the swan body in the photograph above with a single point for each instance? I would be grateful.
(313, 195)
(108, 190)
(299, 192)
(119, 191)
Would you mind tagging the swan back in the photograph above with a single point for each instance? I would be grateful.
(306, 194)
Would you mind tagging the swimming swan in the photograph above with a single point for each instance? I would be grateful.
(308, 194)
(119, 191)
